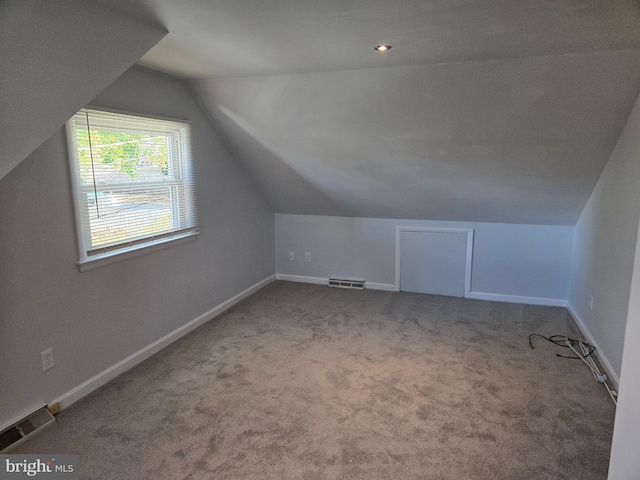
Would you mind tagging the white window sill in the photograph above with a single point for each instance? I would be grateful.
(103, 259)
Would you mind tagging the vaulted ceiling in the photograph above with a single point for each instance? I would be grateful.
(483, 110)
(54, 58)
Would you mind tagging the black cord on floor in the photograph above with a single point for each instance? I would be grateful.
(559, 340)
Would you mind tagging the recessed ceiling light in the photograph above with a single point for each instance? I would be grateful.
(382, 48)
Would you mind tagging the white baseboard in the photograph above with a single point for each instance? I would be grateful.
(497, 297)
(604, 361)
(380, 286)
(302, 279)
(110, 373)
(325, 281)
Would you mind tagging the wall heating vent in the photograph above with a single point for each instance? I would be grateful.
(343, 283)
(25, 428)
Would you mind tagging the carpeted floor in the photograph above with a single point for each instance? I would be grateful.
(307, 382)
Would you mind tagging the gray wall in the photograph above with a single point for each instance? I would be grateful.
(625, 461)
(519, 260)
(55, 57)
(95, 319)
(605, 242)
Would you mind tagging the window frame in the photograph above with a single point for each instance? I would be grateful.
(102, 256)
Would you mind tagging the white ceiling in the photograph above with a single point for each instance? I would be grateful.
(485, 110)
(231, 38)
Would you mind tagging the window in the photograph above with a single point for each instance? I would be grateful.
(133, 183)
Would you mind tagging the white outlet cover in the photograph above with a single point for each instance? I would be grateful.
(47, 359)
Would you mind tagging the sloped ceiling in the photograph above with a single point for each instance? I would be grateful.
(514, 141)
(54, 58)
(492, 111)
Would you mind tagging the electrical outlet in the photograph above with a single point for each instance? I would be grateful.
(590, 302)
(47, 359)
(292, 256)
(307, 257)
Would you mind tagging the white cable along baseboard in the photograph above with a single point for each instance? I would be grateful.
(604, 361)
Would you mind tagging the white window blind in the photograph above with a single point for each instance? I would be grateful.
(133, 180)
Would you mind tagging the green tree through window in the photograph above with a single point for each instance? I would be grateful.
(133, 179)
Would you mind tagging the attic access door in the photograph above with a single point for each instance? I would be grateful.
(434, 261)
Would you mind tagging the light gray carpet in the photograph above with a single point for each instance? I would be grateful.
(307, 382)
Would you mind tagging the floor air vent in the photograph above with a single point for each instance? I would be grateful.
(25, 428)
(343, 283)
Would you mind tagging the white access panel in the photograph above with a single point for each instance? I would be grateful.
(433, 262)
